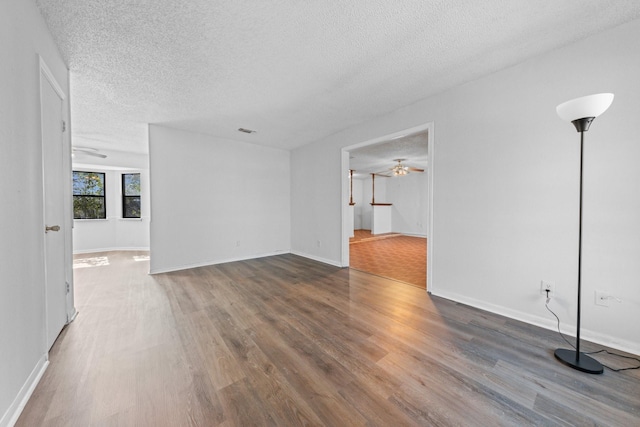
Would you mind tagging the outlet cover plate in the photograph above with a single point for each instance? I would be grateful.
(544, 285)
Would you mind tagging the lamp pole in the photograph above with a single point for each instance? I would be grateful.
(580, 246)
(572, 358)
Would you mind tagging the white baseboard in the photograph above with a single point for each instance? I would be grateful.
(93, 251)
(546, 323)
(72, 315)
(424, 236)
(319, 259)
(212, 262)
(12, 414)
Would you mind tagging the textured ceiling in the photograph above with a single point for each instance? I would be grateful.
(294, 71)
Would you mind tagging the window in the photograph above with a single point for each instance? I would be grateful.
(130, 195)
(88, 195)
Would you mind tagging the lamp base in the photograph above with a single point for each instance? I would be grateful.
(582, 362)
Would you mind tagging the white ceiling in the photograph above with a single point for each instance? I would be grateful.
(294, 71)
(412, 149)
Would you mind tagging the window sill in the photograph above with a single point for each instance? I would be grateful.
(107, 219)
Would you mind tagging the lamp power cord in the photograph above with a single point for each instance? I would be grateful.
(546, 304)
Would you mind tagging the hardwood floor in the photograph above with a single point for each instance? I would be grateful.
(288, 341)
(393, 255)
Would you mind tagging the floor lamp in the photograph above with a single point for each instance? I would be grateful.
(581, 112)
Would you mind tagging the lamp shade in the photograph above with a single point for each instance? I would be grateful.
(586, 106)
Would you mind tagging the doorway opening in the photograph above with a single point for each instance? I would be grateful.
(387, 206)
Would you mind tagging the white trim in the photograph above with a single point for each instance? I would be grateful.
(344, 199)
(45, 325)
(543, 322)
(111, 218)
(214, 262)
(317, 258)
(431, 155)
(93, 251)
(68, 195)
(72, 316)
(46, 71)
(421, 235)
(12, 414)
(344, 204)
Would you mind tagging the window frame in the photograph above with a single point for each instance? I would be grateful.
(124, 196)
(103, 197)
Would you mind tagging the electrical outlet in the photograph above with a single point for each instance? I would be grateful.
(545, 286)
(602, 298)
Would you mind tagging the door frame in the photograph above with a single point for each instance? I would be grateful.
(344, 170)
(70, 310)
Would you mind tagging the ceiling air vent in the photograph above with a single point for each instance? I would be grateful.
(246, 130)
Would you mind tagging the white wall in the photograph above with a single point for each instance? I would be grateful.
(410, 203)
(362, 190)
(358, 219)
(408, 194)
(506, 188)
(365, 205)
(381, 219)
(114, 232)
(23, 36)
(215, 200)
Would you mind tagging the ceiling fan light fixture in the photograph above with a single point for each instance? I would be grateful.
(400, 170)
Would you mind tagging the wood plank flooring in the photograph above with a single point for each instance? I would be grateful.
(285, 341)
(394, 256)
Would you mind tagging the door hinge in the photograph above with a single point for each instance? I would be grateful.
(64, 126)
(68, 287)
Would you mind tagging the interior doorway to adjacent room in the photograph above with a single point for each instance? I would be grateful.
(387, 205)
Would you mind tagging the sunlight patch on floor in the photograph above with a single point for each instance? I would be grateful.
(97, 261)
(141, 257)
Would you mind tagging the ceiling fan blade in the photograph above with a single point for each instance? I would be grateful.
(385, 174)
(415, 169)
(102, 156)
(88, 152)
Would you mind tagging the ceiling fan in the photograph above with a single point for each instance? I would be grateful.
(399, 169)
(86, 151)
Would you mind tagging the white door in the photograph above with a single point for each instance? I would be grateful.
(54, 235)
